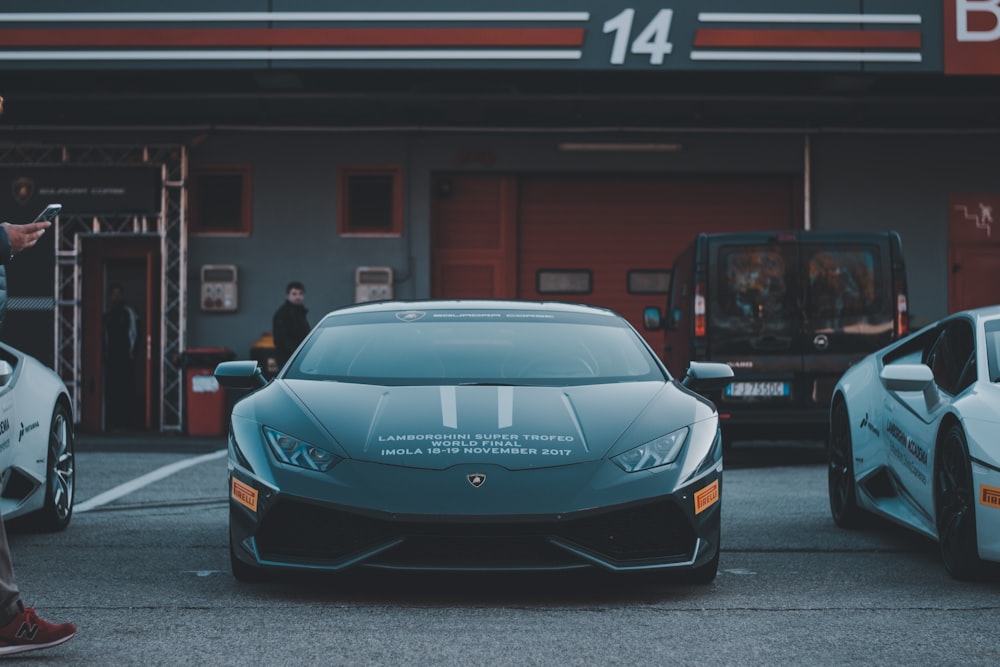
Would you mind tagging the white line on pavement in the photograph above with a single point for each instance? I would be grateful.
(156, 475)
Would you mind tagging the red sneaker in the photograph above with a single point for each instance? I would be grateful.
(28, 632)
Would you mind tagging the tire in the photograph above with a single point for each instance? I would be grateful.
(955, 508)
(60, 477)
(840, 471)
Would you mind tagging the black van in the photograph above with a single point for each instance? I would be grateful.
(789, 311)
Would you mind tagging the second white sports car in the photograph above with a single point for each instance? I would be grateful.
(37, 466)
(914, 438)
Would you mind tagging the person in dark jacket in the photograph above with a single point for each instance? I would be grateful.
(21, 629)
(121, 335)
(290, 325)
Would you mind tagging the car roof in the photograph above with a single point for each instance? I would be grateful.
(789, 235)
(984, 314)
(474, 304)
(978, 316)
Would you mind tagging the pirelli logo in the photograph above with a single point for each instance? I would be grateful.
(244, 495)
(989, 496)
(706, 497)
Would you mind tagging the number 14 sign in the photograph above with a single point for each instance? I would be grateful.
(831, 35)
(654, 38)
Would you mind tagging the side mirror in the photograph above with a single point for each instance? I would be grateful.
(240, 375)
(705, 376)
(651, 319)
(6, 371)
(911, 377)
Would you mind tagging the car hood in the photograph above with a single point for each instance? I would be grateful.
(516, 427)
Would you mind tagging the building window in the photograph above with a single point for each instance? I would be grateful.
(566, 281)
(649, 281)
(220, 200)
(371, 201)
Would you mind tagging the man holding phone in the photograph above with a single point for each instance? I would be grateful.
(21, 629)
(14, 239)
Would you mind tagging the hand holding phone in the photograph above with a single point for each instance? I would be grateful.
(50, 213)
(22, 237)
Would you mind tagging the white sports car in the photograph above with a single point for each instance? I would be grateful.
(914, 438)
(37, 470)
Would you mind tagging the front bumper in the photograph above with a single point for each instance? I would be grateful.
(529, 520)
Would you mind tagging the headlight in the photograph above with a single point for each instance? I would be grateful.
(298, 452)
(654, 453)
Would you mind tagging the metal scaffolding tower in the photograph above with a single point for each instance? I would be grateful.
(171, 228)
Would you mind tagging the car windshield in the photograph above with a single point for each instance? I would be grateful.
(488, 347)
(993, 349)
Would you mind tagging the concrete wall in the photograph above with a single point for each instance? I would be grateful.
(902, 183)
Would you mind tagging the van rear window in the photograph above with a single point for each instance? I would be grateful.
(844, 284)
(779, 286)
(757, 284)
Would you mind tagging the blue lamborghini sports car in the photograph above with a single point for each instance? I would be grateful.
(474, 436)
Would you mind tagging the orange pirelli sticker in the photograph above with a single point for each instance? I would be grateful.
(989, 496)
(706, 497)
(245, 495)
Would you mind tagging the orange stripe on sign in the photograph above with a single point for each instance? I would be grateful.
(814, 39)
(706, 497)
(304, 37)
(245, 495)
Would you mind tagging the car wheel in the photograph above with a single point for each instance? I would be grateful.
(956, 508)
(60, 477)
(840, 471)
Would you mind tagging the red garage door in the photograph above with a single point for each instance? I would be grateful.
(520, 230)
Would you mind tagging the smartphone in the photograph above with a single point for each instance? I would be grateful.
(50, 213)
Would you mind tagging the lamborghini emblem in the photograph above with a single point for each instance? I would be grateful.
(23, 189)
(476, 479)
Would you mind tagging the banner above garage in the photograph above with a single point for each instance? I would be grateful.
(106, 190)
(949, 36)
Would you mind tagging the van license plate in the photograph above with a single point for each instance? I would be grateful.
(738, 389)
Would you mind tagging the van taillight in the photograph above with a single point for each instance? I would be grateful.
(902, 315)
(699, 310)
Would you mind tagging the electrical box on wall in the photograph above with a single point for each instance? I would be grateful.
(218, 288)
(372, 283)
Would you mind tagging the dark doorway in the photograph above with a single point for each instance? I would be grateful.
(131, 264)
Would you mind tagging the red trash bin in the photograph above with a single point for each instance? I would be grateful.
(207, 407)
